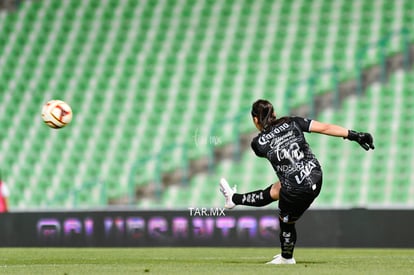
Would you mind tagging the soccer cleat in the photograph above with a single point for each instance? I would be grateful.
(227, 193)
(278, 259)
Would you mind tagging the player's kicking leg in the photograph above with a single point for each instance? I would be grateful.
(256, 198)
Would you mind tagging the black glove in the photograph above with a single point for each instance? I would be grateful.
(364, 139)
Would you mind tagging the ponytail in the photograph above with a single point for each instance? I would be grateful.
(263, 110)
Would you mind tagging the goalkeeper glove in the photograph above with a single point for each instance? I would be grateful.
(364, 139)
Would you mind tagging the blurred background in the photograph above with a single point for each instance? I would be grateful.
(161, 92)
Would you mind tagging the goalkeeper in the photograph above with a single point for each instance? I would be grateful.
(282, 142)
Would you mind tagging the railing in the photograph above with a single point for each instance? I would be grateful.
(381, 45)
(310, 83)
(156, 170)
(235, 123)
(153, 165)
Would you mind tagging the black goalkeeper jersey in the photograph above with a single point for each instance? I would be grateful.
(285, 146)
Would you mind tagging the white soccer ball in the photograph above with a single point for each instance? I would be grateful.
(56, 114)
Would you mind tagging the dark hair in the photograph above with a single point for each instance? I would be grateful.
(263, 110)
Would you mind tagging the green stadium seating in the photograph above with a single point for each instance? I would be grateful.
(142, 75)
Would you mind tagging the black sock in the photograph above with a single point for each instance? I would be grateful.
(255, 198)
(287, 239)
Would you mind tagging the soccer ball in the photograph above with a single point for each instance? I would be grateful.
(56, 114)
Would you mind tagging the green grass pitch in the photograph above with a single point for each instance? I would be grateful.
(202, 261)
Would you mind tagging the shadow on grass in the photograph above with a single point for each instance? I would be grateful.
(311, 262)
(255, 262)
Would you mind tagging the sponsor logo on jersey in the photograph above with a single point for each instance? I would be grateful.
(264, 139)
(305, 172)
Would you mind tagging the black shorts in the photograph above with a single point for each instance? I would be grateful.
(292, 204)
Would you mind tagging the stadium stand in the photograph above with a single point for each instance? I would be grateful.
(144, 75)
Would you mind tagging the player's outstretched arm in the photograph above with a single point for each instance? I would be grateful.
(328, 129)
(364, 139)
